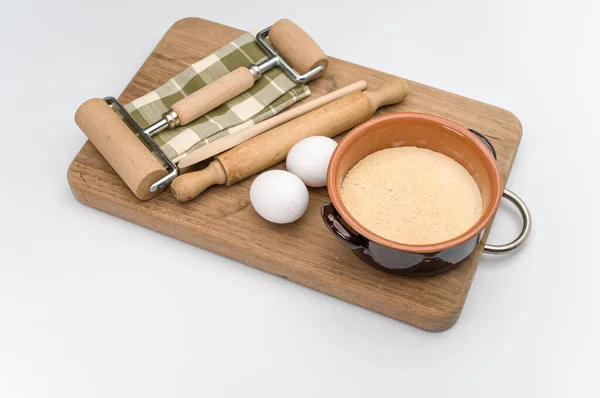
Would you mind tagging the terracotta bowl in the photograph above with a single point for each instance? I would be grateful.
(425, 131)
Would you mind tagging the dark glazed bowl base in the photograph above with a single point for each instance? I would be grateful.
(418, 270)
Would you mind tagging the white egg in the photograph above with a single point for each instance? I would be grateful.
(279, 196)
(309, 159)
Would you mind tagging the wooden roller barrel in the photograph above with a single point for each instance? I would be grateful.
(115, 141)
(296, 47)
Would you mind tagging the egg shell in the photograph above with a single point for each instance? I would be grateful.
(279, 196)
(309, 159)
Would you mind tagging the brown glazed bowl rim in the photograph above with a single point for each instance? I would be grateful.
(364, 128)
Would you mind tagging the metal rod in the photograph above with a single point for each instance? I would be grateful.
(146, 136)
(156, 128)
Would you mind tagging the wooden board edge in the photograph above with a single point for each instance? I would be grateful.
(435, 321)
(518, 138)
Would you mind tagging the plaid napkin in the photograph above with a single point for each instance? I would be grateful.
(271, 94)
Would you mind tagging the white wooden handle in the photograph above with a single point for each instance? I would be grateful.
(214, 94)
(228, 142)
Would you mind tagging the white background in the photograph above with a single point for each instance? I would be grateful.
(94, 306)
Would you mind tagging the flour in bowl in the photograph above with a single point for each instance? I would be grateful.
(412, 195)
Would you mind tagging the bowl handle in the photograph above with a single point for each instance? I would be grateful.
(332, 220)
(515, 200)
(519, 240)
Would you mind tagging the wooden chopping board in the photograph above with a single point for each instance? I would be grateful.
(223, 221)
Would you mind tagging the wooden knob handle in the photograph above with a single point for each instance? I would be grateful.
(216, 93)
(188, 186)
(391, 92)
(296, 47)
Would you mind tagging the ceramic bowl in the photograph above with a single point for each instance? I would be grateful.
(425, 131)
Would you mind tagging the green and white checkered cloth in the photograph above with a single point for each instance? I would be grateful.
(271, 94)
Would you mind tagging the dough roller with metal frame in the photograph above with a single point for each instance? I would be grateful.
(140, 162)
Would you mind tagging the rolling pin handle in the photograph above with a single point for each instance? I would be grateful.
(188, 186)
(391, 92)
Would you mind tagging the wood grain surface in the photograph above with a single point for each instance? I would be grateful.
(223, 221)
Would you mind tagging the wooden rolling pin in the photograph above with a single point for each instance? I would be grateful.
(270, 148)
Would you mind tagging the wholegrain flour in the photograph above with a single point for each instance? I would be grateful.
(412, 195)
